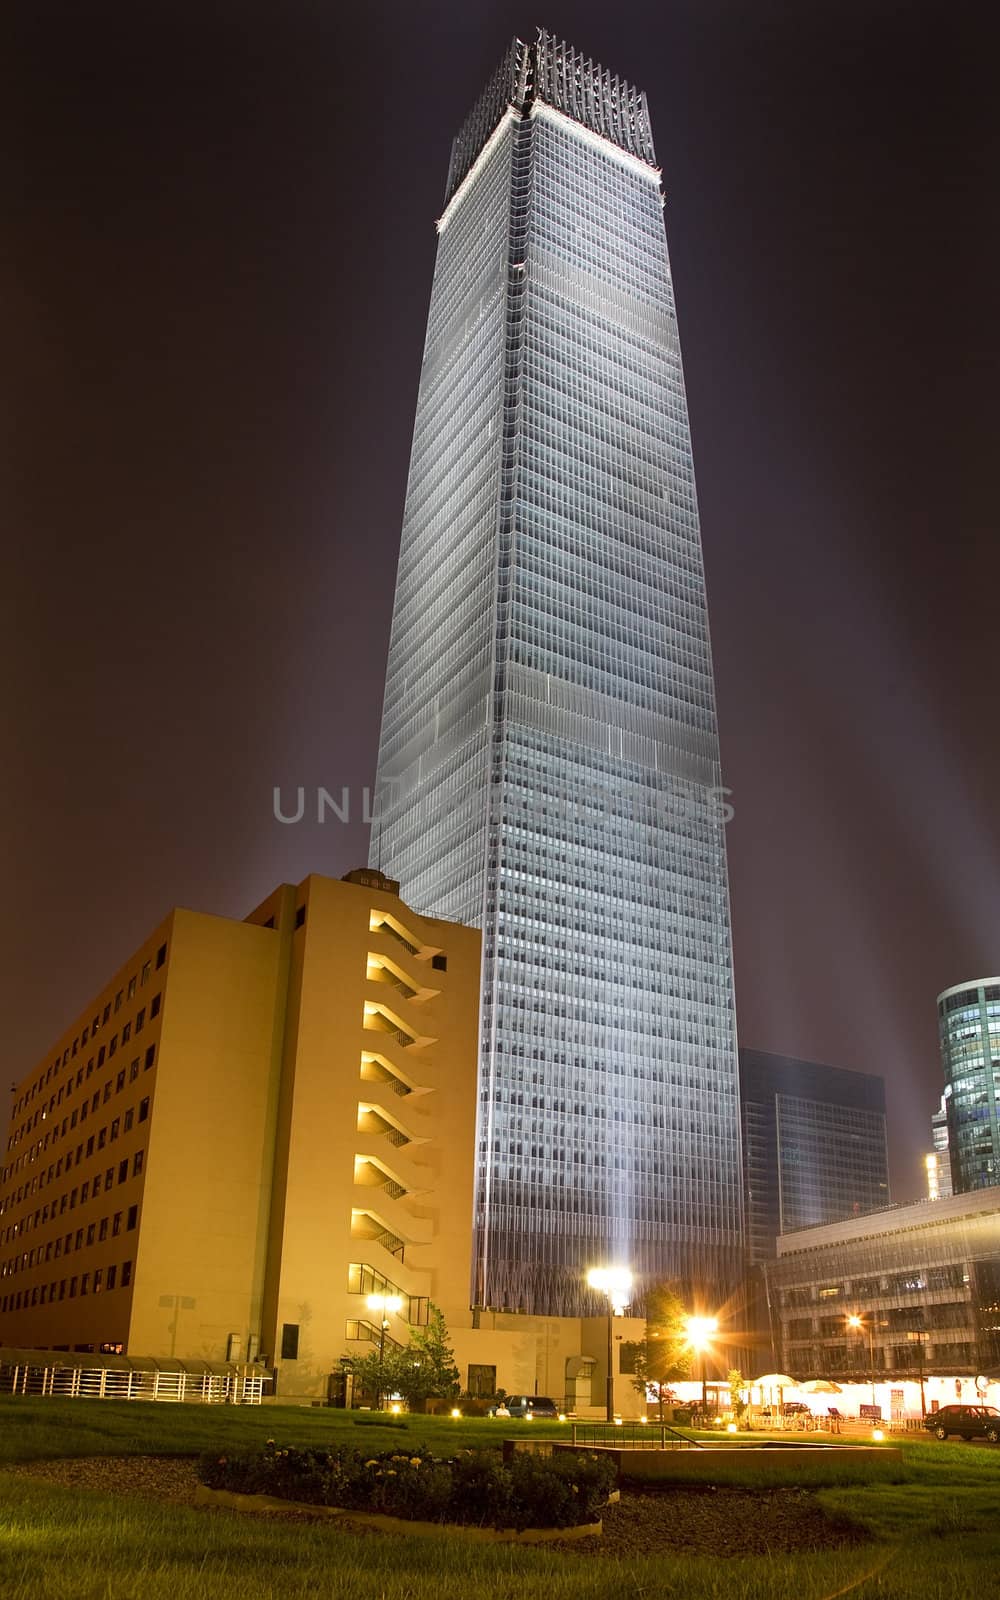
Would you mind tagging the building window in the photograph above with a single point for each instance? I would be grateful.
(112, 1276)
(137, 1163)
(154, 1007)
(161, 956)
(98, 1280)
(119, 997)
(289, 1341)
(133, 1071)
(482, 1381)
(107, 1013)
(126, 1274)
(144, 1108)
(128, 1120)
(126, 1033)
(116, 1224)
(131, 992)
(132, 1218)
(122, 1170)
(150, 1057)
(144, 974)
(300, 917)
(102, 1231)
(440, 964)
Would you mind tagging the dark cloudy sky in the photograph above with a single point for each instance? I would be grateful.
(218, 255)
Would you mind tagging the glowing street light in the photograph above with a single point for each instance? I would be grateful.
(386, 1304)
(616, 1283)
(700, 1331)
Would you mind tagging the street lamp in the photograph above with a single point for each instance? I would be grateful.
(385, 1304)
(700, 1332)
(859, 1324)
(616, 1283)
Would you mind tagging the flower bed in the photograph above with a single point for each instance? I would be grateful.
(474, 1488)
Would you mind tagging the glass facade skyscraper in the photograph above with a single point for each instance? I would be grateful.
(969, 1026)
(549, 762)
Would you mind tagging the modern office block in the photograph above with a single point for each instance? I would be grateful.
(549, 762)
(938, 1159)
(251, 1128)
(814, 1145)
(969, 1028)
(923, 1280)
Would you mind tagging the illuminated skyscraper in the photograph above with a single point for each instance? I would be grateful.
(969, 1028)
(549, 762)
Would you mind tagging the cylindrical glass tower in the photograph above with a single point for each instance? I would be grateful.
(969, 1026)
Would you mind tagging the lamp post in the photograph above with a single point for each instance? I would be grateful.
(700, 1333)
(616, 1283)
(859, 1324)
(384, 1304)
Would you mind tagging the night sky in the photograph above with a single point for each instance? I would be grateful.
(216, 271)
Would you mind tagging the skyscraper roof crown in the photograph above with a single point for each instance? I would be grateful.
(552, 72)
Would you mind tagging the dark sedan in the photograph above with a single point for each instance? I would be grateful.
(968, 1422)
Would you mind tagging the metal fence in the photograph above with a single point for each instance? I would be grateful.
(77, 1377)
(632, 1436)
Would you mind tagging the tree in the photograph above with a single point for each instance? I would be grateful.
(737, 1384)
(427, 1369)
(375, 1379)
(664, 1356)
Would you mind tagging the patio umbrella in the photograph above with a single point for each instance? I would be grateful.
(774, 1380)
(820, 1386)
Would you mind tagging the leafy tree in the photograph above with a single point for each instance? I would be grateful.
(427, 1369)
(371, 1376)
(737, 1384)
(664, 1356)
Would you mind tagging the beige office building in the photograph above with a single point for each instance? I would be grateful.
(253, 1127)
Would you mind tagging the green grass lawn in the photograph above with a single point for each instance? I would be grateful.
(934, 1535)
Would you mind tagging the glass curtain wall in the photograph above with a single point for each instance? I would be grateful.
(549, 764)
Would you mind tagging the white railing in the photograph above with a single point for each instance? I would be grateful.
(236, 1386)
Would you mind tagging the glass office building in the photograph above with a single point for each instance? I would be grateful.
(549, 762)
(969, 1026)
(814, 1146)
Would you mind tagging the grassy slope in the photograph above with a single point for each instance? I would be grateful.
(935, 1533)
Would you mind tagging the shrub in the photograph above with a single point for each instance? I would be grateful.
(474, 1487)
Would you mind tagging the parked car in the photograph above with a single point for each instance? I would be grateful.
(531, 1405)
(969, 1422)
(796, 1408)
